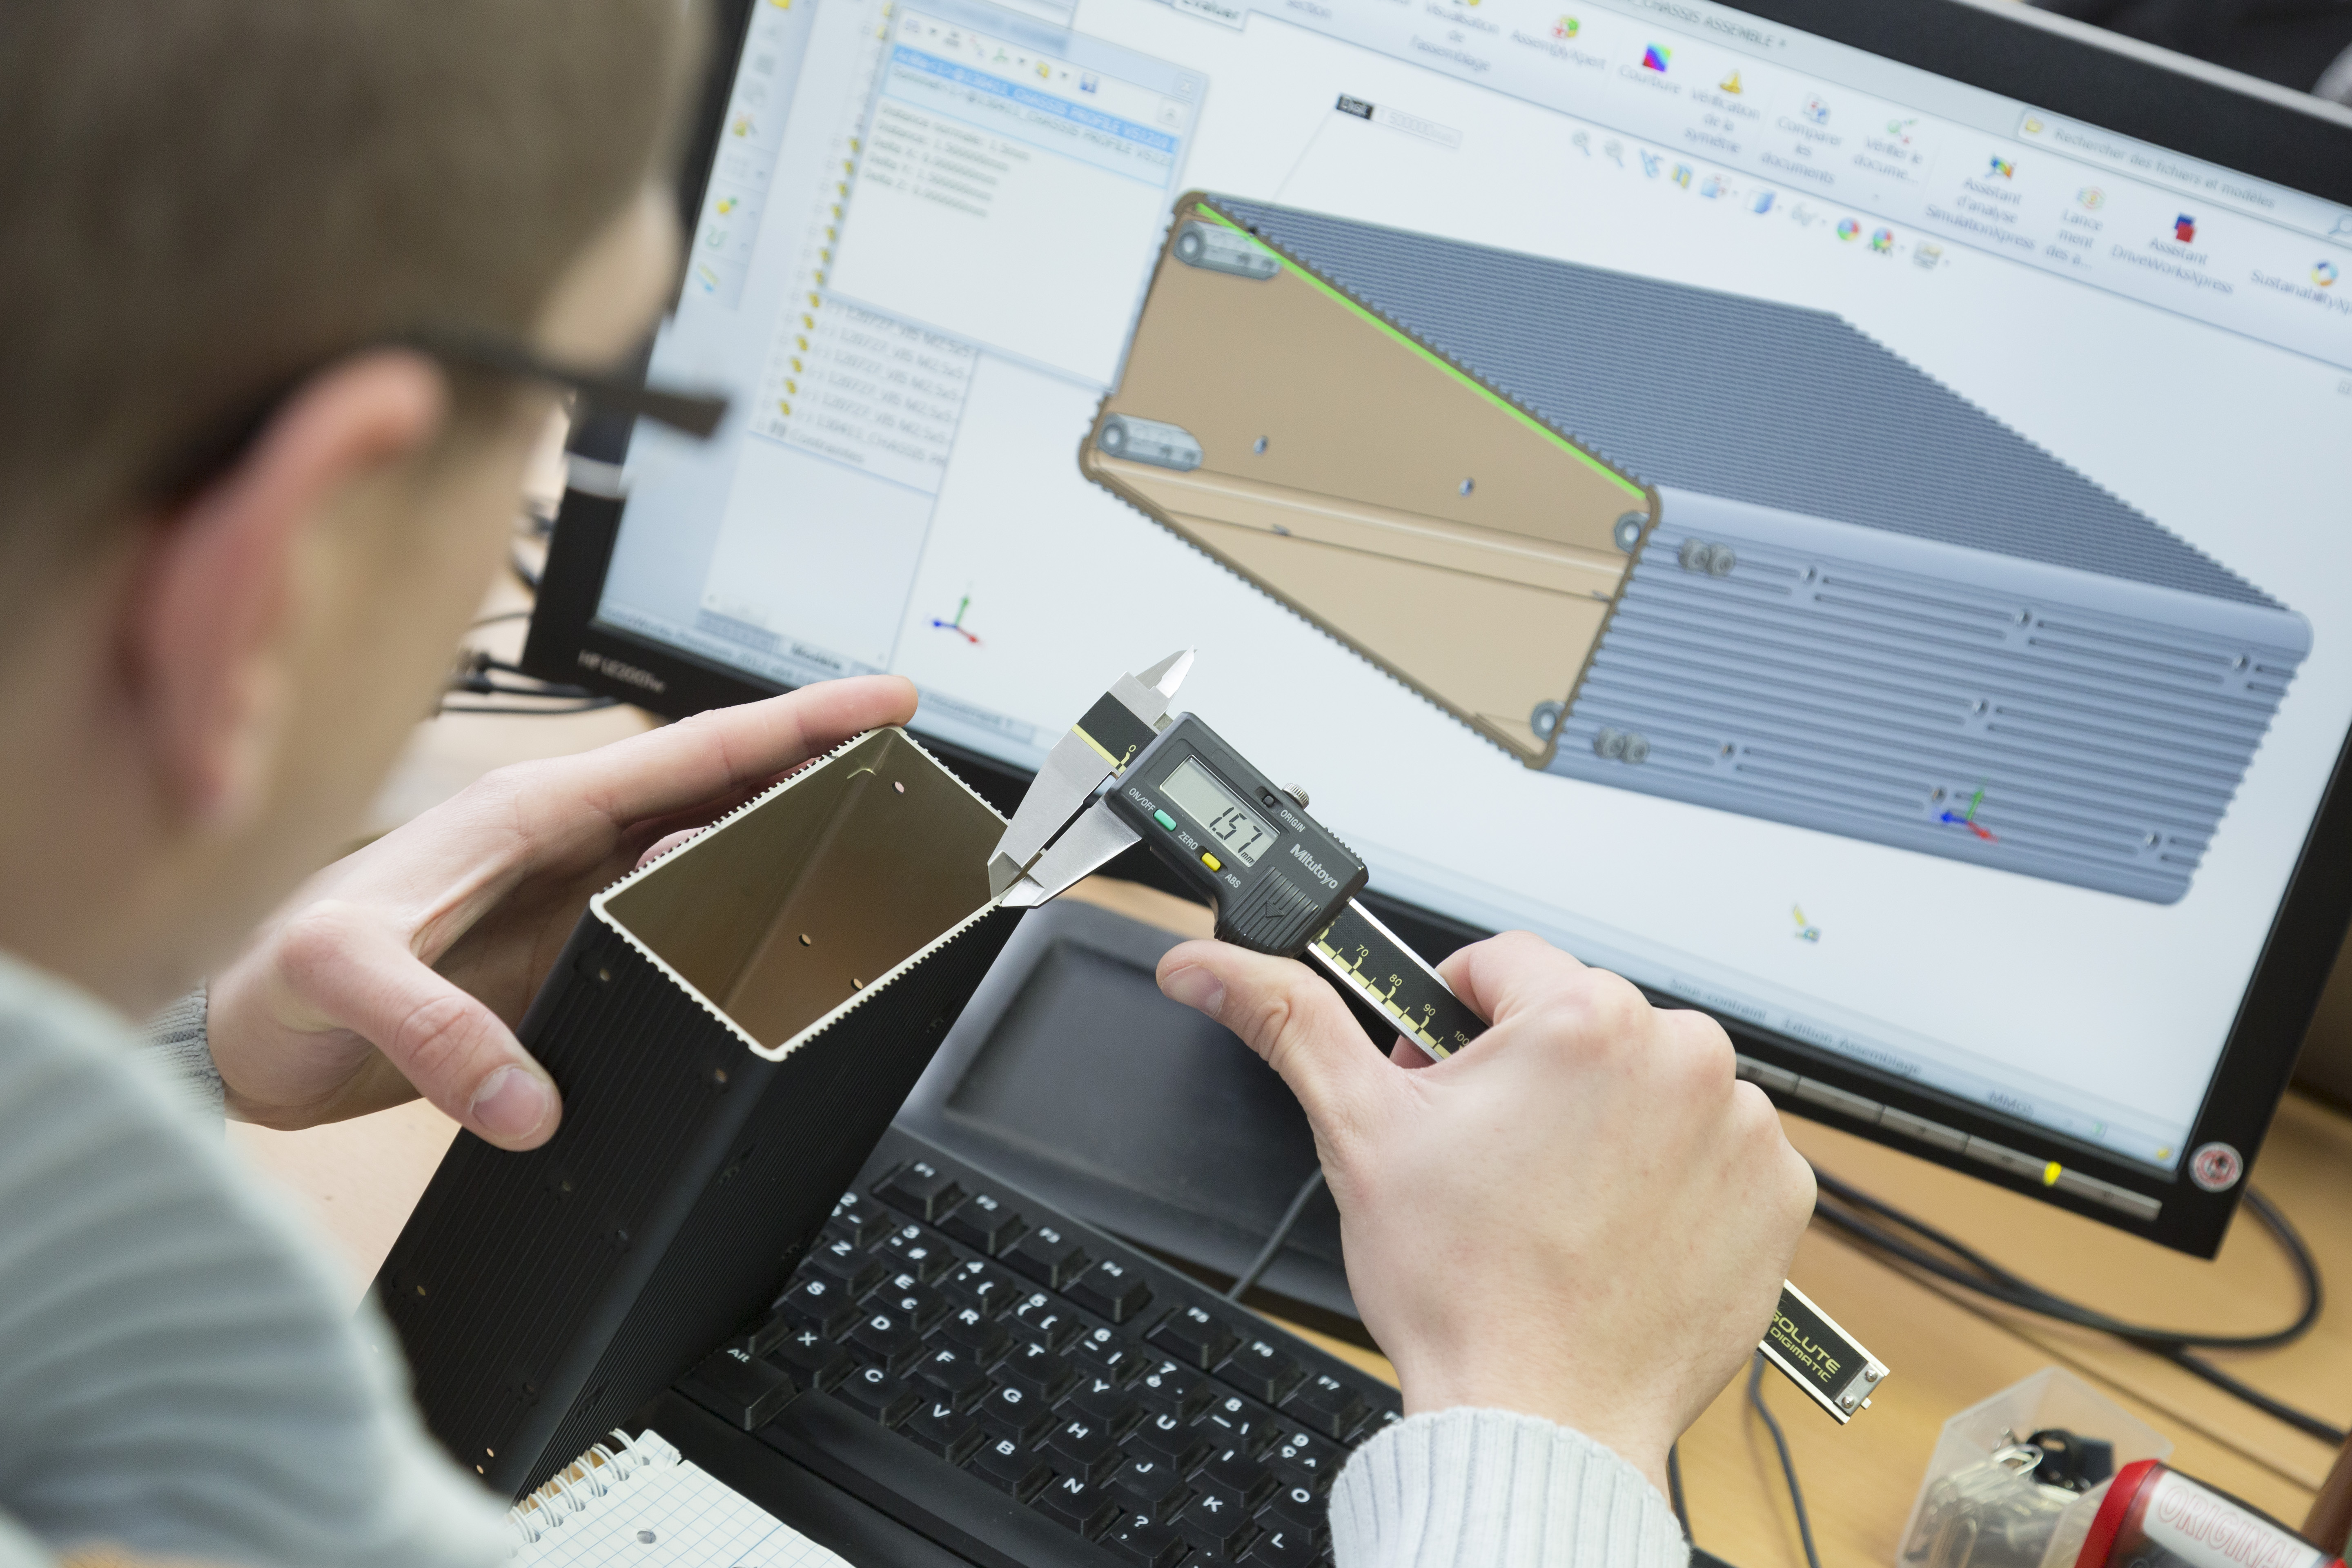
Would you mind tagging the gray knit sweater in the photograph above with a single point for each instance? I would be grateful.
(177, 1376)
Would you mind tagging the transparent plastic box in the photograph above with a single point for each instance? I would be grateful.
(1985, 1502)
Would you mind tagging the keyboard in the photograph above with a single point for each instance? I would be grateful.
(1021, 1387)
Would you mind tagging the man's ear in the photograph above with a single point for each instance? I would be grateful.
(211, 607)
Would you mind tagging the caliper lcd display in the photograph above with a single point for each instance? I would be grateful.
(1209, 802)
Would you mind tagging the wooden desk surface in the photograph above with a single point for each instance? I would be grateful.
(360, 1179)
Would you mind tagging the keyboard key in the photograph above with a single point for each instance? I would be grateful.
(844, 1230)
(1161, 1435)
(1297, 1509)
(1048, 1256)
(1076, 1505)
(888, 1338)
(1042, 1318)
(918, 1304)
(1304, 1459)
(1038, 1369)
(1210, 1521)
(984, 1222)
(1149, 1485)
(1176, 1389)
(1261, 1369)
(1137, 1537)
(1326, 1405)
(1235, 1477)
(1109, 1290)
(1106, 1354)
(875, 1394)
(1014, 1413)
(950, 1373)
(1278, 1548)
(910, 1249)
(983, 1285)
(1100, 1399)
(968, 1328)
(1008, 1466)
(940, 1429)
(739, 1388)
(813, 1362)
(1079, 1447)
(864, 1221)
(1192, 1338)
(845, 1263)
(921, 1189)
(821, 1306)
(1234, 1422)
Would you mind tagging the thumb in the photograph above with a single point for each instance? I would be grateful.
(364, 978)
(1285, 1013)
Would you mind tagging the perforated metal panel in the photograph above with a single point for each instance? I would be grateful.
(2085, 729)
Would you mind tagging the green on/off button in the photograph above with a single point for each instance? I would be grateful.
(1164, 820)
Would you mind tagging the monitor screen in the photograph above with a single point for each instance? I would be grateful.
(1836, 544)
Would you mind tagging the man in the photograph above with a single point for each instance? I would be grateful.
(245, 522)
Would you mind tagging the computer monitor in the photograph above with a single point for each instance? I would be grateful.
(1834, 509)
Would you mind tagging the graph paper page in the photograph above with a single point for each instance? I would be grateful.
(673, 1514)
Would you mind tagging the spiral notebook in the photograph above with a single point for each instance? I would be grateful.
(638, 1501)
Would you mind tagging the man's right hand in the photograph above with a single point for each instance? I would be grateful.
(1581, 1215)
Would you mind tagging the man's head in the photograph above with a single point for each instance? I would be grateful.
(238, 533)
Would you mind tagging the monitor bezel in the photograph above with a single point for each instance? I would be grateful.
(2056, 65)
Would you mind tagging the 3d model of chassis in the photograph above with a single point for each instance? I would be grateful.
(1711, 548)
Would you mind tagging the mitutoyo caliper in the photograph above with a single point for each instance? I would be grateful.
(1127, 773)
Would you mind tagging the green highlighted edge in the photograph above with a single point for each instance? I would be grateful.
(1521, 414)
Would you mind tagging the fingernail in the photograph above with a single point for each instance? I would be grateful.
(511, 1105)
(1196, 988)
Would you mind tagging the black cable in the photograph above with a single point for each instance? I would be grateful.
(1788, 1465)
(501, 616)
(1674, 1490)
(1989, 1279)
(1266, 1254)
(521, 712)
(476, 675)
(2035, 1299)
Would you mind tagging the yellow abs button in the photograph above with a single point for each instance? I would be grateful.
(1211, 861)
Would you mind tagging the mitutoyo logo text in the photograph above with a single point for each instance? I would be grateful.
(1298, 853)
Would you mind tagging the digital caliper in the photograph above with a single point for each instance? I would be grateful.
(1280, 883)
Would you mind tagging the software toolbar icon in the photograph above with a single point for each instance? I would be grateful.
(2002, 167)
(2324, 274)
(1816, 111)
(1656, 57)
(2092, 197)
(2184, 229)
(1566, 27)
(1883, 241)
(1730, 84)
(1847, 228)
(1763, 203)
(1683, 175)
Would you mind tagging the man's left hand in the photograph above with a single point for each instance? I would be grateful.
(405, 968)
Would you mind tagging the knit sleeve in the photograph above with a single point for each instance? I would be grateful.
(180, 1376)
(178, 1042)
(1496, 1489)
